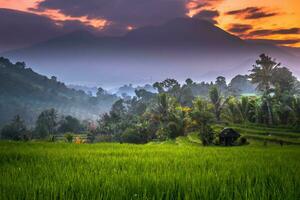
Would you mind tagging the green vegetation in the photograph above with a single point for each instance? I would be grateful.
(177, 110)
(178, 169)
(27, 93)
(274, 135)
(171, 126)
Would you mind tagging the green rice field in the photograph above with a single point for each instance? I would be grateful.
(180, 169)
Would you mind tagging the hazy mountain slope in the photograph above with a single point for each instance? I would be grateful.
(25, 92)
(181, 48)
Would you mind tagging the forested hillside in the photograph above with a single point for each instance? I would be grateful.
(27, 93)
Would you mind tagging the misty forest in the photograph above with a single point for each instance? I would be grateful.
(36, 107)
(193, 101)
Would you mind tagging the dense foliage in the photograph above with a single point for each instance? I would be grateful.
(177, 110)
(26, 93)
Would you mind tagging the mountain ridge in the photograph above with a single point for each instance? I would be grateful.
(180, 48)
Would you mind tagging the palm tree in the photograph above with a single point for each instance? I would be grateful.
(162, 108)
(296, 108)
(261, 74)
(246, 108)
(217, 100)
(232, 112)
(202, 118)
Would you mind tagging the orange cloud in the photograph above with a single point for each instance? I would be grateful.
(263, 19)
(29, 5)
(57, 16)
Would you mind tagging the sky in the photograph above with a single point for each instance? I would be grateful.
(25, 22)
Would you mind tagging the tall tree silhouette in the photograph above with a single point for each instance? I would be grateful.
(261, 74)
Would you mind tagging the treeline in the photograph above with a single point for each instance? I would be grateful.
(48, 124)
(175, 110)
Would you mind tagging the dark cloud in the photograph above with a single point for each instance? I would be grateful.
(276, 42)
(239, 28)
(264, 32)
(208, 15)
(261, 14)
(252, 13)
(287, 31)
(132, 12)
(19, 29)
(243, 11)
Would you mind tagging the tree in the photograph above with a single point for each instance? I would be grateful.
(296, 109)
(160, 111)
(46, 123)
(187, 96)
(100, 92)
(221, 83)
(202, 118)
(69, 124)
(159, 87)
(178, 122)
(246, 108)
(137, 134)
(261, 74)
(169, 86)
(118, 108)
(54, 78)
(16, 130)
(116, 121)
(231, 111)
(284, 81)
(217, 101)
(240, 84)
(189, 82)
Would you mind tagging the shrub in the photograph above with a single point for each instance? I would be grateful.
(51, 138)
(162, 134)
(103, 138)
(132, 135)
(16, 130)
(216, 141)
(173, 130)
(243, 141)
(90, 137)
(207, 136)
(68, 137)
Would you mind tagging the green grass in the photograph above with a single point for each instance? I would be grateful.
(180, 169)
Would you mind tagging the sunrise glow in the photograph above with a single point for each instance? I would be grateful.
(279, 15)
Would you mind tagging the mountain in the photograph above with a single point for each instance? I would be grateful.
(27, 93)
(181, 48)
(187, 32)
(293, 50)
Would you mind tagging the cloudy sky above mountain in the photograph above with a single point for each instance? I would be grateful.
(25, 22)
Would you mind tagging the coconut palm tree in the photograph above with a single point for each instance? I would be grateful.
(216, 100)
(261, 74)
(202, 118)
